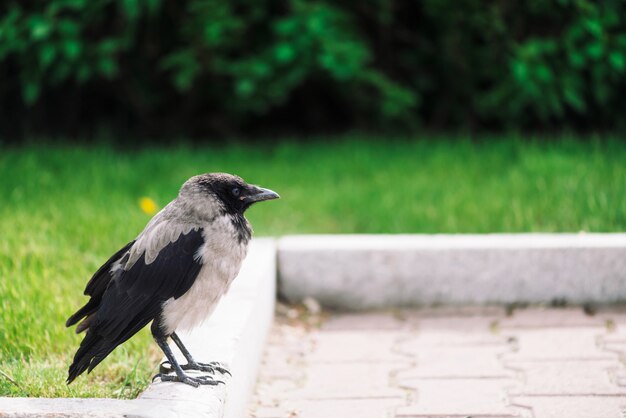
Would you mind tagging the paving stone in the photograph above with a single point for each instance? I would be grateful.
(267, 412)
(430, 334)
(546, 317)
(619, 377)
(573, 406)
(287, 372)
(543, 344)
(343, 408)
(616, 329)
(273, 390)
(364, 321)
(615, 348)
(279, 364)
(457, 321)
(463, 397)
(614, 338)
(583, 378)
(615, 335)
(454, 330)
(448, 338)
(480, 361)
(291, 340)
(355, 346)
(344, 381)
(438, 365)
(288, 375)
(452, 312)
(286, 349)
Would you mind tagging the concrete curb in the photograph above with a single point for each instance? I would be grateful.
(358, 272)
(234, 335)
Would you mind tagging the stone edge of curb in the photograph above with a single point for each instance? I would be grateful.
(357, 272)
(234, 335)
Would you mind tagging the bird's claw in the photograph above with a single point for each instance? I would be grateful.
(207, 367)
(191, 381)
(166, 367)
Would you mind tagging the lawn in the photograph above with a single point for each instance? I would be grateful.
(64, 209)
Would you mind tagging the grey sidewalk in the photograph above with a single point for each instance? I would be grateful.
(540, 363)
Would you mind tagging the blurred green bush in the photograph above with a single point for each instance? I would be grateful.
(199, 67)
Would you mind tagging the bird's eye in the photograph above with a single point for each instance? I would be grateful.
(236, 191)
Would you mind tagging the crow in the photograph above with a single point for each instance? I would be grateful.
(173, 274)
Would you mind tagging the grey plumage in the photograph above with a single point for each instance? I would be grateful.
(173, 274)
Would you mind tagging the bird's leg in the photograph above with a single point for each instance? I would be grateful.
(194, 365)
(195, 381)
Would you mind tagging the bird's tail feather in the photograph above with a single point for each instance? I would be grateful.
(89, 308)
(89, 348)
(94, 348)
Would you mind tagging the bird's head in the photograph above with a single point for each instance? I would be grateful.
(223, 192)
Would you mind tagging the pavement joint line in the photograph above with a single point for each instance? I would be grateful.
(409, 393)
(527, 410)
(518, 377)
(620, 366)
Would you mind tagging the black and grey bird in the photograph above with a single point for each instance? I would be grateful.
(173, 274)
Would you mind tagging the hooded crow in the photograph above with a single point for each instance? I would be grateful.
(173, 274)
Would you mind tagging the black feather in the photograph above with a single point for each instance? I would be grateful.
(135, 297)
(96, 286)
(244, 232)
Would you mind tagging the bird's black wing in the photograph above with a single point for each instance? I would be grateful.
(135, 296)
(97, 285)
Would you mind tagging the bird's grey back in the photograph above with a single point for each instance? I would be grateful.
(180, 216)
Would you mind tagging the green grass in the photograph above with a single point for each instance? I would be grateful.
(64, 209)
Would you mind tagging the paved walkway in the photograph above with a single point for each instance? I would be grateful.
(535, 363)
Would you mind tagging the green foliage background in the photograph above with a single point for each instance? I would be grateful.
(199, 67)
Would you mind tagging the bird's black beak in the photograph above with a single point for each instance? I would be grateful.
(259, 194)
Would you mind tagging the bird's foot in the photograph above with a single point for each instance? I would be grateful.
(191, 381)
(212, 367)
